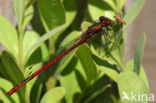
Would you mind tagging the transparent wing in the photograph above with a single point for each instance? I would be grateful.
(74, 37)
(69, 41)
(112, 39)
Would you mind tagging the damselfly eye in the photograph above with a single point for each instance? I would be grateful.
(101, 18)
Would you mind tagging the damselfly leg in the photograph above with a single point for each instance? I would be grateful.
(110, 40)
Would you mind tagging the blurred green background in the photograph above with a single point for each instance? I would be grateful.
(143, 23)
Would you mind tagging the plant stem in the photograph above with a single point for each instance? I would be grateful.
(29, 3)
(118, 6)
(21, 33)
(121, 57)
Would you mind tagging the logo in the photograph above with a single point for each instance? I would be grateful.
(137, 96)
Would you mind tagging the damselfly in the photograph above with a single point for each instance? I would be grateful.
(97, 27)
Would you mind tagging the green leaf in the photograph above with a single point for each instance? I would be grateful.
(84, 55)
(54, 95)
(52, 13)
(130, 65)
(29, 3)
(133, 12)
(64, 62)
(70, 39)
(131, 84)
(111, 3)
(70, 10)
(98, 92)
(82, 73)
(72, 78)
(43, 39)
(114, 57)
(85, 26)
(28, 16)
(36, 92)
(122, 45)
(66, 44)
(38, 54)
(100, 8)
(13, 71)
(8, 36)
(139, 53)
(19, 10)
(3, 72)
(35, 61)
(27, 41)
(113, 74)
(98, 86)
(5, 87)
(122, 3)
(106, 68)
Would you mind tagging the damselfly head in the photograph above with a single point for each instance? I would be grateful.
(105, 20)
(102, 18)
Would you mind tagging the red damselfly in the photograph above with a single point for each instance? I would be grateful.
(94, 29)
